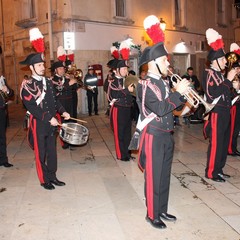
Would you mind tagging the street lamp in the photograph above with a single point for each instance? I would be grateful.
(163, 24)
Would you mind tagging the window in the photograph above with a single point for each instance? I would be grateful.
(121, 11)
(221, 21)
(27, 14)
(179, 13)
(120, 8)
(28, 9)
(32, 9)
(237, 8)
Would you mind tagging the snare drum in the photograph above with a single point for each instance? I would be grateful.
(74, 133)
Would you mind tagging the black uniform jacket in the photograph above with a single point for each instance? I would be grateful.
(64, 91)
(214, 85)
(91, 81)
(163, 109)
(48, 107)
(122, 95)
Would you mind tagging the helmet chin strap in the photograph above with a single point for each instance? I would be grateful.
(120, 72)
(219, 65)
(158, 68)
(36, 71)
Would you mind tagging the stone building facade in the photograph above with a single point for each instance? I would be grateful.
(96, 24)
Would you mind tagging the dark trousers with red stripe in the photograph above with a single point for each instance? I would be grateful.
(234, 129)
(157, 155)
(44, 143)
(218, 143)
(121, 123)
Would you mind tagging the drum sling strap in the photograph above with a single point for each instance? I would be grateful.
(39, 99)
(134, 144)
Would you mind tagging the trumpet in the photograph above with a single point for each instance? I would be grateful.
(193, 97)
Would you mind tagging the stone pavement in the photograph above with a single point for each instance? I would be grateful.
(103, 198)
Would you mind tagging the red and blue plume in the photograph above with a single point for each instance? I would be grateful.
(114, 52)
(214, 39)
(235, 48)
(152, 27)
(61, 54)
(36, 39)
(70, 55)
(124, 50)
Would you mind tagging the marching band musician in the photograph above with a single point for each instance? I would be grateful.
(91, 83)
(70, 67)
(64, 91)
(217, 89)
(39, 98)
(5, 92)
(156, 103)
(120, 113)
(235, 109)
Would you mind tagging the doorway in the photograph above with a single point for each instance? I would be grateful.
(180, 62)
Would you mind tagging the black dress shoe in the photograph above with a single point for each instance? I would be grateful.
(48, 186)
(237, 153)
(65, 146)
(125, 159)
(58, 183)
(218, 179)
(223, 175)
(157, 223)
(6, 164)
(234, 154)
(167, 217)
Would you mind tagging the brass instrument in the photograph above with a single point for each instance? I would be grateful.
(232, 58)
(131, 80)
(3, 94)
(79, 76)
(192, 96)
(76, 73)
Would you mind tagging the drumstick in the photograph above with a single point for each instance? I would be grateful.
(77, 119)
(64, 126)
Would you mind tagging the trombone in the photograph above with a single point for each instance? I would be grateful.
(193, 97)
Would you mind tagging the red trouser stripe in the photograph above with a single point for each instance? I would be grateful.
(115, 131)
(36, 151)
(214, 125)
(149, 175)
(233, 118)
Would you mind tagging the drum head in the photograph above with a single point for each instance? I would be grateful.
(74, 133)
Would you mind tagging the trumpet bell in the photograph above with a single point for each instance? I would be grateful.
(131, 80)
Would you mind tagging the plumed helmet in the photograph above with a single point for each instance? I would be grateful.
(215, 41)
(33, 58)
(57, 64)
